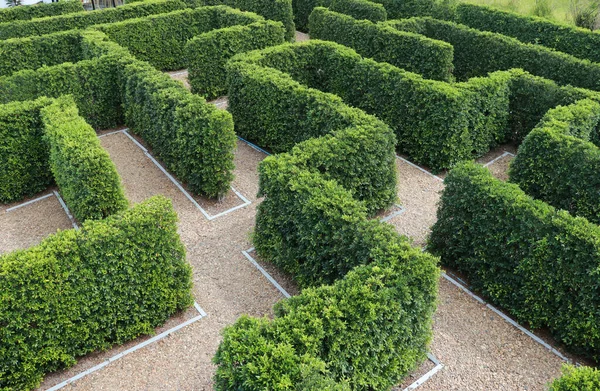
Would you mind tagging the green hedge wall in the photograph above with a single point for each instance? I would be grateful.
(87, 178)
(40, 10)
(193, 138)
(34, 52)
(24, 166)
(277, 10)
(558, 165)
(276, 112)
(537, 262)
(53, 306)
(563, 37)
(80, 20)
(160, 39)
(577, 379)
(360, 9)
(207, 54)
(413, 52)
(477, 53)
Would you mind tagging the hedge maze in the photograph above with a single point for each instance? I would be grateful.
(377, 78)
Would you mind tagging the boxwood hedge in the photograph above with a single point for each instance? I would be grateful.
(207, 54)
(563, 37)
(84, 290)
(539, 263)
(577, 379)
(477, 53)
(82, 169)
(80, 20)
(557, 164)
(40, 10)
(160, 39)
(416, 53)
(24, 166)
(360, 9)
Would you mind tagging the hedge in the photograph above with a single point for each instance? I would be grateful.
(54, 303)
(193, 138)
(577, 379)
(413, 52)
(277, 10)
(24, 168)
(558, 165)
(563, 37)
(81, 20)
(160, 39)
(371, 327)
(207, 54)
(539, 263)
(360, 9)
(40, 10)
(34, 52)
(87, 178)
(477, 53)
(276, 112)
(395, 9)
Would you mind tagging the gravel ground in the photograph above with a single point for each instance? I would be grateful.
(28, 225)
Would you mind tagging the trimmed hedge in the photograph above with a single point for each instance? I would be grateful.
(476, 53)
(539, 263)
(34, 52)
(207, 54)
(360, 9)
(194, 139)
(160, 39)
(563, 37)
(87, 178)
(276, 112)
(81, 20)
(53, 306)
(277, 10)
(413, 52)
(558, 165)
(577, 379)
(40, 10)
(371, 327)
(24, 168)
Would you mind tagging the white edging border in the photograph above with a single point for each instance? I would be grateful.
(60, 200)
(419, 168)
(152, 340)
(207, 215)
(438, 367)
(506, 153)
(400, 210)
(506, 318)
(265, 273)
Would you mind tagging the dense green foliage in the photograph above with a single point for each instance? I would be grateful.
(40, 10)
(24, 166)
(577, 379)
(165, 35)
(430, 58)
(360, 9)
(194, 139)
(34, 52)
(558, 165)
(573, 40)
(80, 20)
(82, 169)
(477, 53)
(539, 263)
(207, 54)
(85, 290)
(276, 112)
(277, 10)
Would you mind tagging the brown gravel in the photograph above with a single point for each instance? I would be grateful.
(27, 226)
(301, 37)
(499, 168)
(284, 279)
(182, 76)
(425, 367)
